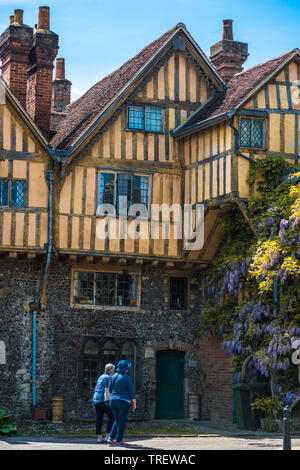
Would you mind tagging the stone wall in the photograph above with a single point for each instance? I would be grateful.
(63, 331)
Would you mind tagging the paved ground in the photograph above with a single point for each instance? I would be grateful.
(150, 444)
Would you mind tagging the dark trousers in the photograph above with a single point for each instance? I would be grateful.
(120, 409)
(101, 408)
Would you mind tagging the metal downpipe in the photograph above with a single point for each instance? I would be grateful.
(41, 287)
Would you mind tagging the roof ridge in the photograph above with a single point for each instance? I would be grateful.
(127, 61)
(239, 88)
(266, 62)
(82, 112)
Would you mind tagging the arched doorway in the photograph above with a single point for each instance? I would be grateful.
(170, 385)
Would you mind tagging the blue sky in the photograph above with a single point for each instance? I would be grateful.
(97, 36)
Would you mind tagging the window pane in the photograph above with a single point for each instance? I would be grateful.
(257, 133)
(245, 133)
(84, 288)
(109, 353)
(127, 290)
(107, 188)
(125, 188)
(18, 193)
(105, 289)
(153, 119)
(136, 117)
(129, 354)
(90, 365)
(178, 293)
(141, 190)
(3, 193)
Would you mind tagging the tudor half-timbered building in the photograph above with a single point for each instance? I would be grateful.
(169, 127)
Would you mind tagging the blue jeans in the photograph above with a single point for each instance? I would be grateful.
(102, 408)
(120, 409)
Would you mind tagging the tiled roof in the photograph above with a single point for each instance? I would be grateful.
(84, 110)
(238, 89)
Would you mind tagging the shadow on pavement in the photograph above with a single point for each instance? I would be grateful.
(77, 440)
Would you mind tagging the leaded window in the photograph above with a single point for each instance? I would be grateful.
(252, 133)
(129, 354)
(136, 117)
(178, 293)
(134, 187)
(90, 365)
(3, 193)
(96, 354)
(110, 352)
(114, 186)
(145, 118)
(107, 188)
(105, 289)
(12, 193)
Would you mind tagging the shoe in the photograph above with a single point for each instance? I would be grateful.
(110, 441)
(101, 441)
(120, 444)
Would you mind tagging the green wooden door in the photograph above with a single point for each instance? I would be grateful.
(170, 385)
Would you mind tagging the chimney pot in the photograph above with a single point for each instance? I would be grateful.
(227, 30)
(60, 69)
(44, 18)
(12, 19)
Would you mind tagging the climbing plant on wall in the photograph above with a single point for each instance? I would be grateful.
(252, 290)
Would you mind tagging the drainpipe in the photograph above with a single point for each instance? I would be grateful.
(40, 291)
(236, 134)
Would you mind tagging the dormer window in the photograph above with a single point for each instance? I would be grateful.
(145, 118)
(252, 133)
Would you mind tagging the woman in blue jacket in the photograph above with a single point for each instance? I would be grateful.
(101, 402)
(121, 400)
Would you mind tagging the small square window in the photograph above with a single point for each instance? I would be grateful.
(136, 117)
(145, 118)
(153, 119)
(252, 133)
(178, 293)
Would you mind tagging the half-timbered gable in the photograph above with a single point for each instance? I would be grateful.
(136, 143)
(23, 184)
(257, 114)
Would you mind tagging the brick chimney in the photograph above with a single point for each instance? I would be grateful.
(228, 55)
(61, 90)
(15, 45)
(40, 72)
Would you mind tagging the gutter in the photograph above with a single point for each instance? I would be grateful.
(42, 285)
(60, 155)
(199, 126)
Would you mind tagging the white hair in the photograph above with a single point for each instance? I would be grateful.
(109, 368)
